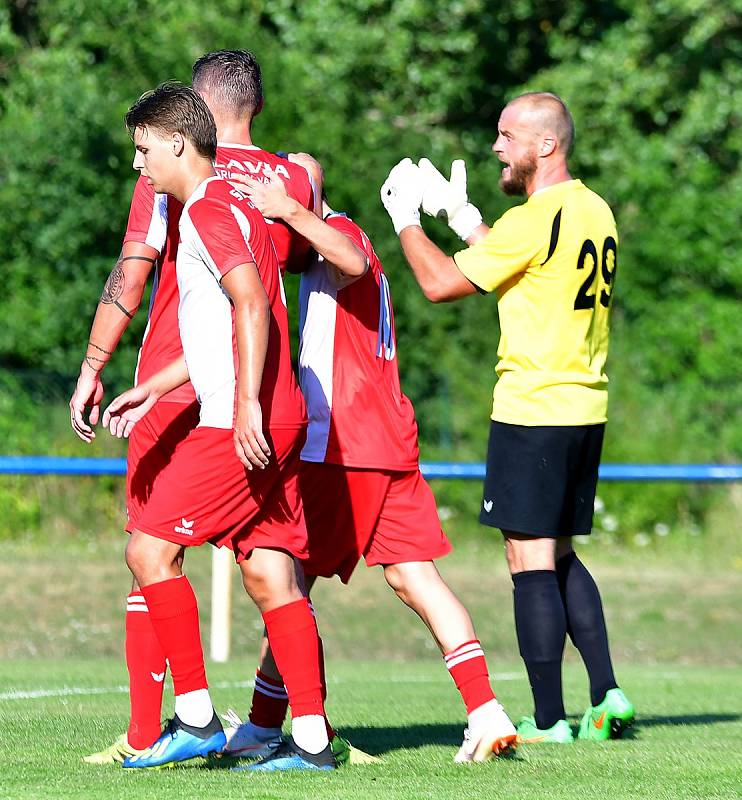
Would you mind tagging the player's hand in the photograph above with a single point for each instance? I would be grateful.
(269, 196)
(127, 409)
(249, 441)
(402, 194)
(447, 199)
(88, 394)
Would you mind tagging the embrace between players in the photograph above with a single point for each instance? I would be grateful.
(223, 449)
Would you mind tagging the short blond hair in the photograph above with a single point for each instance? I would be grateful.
(550, 112)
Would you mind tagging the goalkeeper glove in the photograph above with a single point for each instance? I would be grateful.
(447, 200)
(401, 194)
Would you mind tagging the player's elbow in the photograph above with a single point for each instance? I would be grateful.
(357, 263)
(437, 292)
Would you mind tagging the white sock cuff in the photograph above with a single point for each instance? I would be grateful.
(464, 652)
(136, 602)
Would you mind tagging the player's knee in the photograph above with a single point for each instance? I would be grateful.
(400, 581)
(135, 557)
(394, 577)
(526, 553)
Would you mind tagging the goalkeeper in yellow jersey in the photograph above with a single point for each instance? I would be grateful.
(552, 263)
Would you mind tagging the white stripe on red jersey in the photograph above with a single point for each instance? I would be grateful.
(220, 229)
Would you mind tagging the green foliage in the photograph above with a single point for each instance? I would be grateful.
(655, 92)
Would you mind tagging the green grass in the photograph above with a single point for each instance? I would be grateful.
(671, 615)
(684, 745)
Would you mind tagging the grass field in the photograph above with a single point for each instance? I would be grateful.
(686, 743)
(672, 619)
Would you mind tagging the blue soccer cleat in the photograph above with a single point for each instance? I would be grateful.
(289, 756)
(179, 742)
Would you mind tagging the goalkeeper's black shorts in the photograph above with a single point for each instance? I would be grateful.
(541, 479)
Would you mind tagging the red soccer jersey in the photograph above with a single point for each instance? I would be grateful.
(153, 220)
(358, 415)
(247, 160)
(219, 230)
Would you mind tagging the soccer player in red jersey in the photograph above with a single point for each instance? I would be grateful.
(233, 481)
(151, 240)
(360, 479)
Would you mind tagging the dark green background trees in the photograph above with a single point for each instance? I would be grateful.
(655, 91)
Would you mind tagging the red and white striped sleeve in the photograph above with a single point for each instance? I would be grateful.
(147, 217)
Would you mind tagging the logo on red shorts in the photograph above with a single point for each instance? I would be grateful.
(185, 527)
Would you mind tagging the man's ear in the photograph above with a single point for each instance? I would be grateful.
(178, 142)
(548, 145)
(259, 108)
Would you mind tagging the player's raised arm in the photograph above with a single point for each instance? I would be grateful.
(251, 320)
(438, 276)
(347, 261)
(120, 299)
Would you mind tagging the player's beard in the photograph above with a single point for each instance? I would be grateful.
(520, 173)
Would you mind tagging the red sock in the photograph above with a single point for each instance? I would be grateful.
(269, 702)
(173, 610)
(468, 668)
(292, 633)
(146, 665)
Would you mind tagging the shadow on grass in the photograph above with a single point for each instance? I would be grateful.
(686, 719)
(377, 741)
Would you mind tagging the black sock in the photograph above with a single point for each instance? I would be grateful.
(586, 623)
(541, 627)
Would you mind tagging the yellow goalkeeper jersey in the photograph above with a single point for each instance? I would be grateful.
(552, 262)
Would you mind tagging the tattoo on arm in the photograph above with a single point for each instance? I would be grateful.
(114, 288)
(91, 365)
(115, 284)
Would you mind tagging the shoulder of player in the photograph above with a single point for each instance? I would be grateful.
(598, 200)
(343, 223)
(216, 199)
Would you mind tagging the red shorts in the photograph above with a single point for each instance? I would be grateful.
(386, 517)
(205, 494)
(151, 446)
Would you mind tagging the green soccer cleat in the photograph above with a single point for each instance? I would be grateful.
(345, 753)
(114, 754)
(559, 733)
(609, 719)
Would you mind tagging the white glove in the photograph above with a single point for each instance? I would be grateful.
(447, 200)
(402, 194)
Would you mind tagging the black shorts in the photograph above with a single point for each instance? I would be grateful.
(541, 479)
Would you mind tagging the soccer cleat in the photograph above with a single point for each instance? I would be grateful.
(497, 738)
(345, 753)
(289, 756)
(179, 742)
(245, 740)
(559, 733)
(114, 754)
(609, 719)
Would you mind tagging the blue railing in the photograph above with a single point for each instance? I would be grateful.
(60, 465)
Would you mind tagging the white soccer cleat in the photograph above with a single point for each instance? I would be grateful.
(495, 738)
(245, 740)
